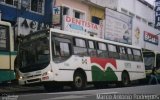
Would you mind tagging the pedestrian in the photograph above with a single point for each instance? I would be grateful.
(153, 76)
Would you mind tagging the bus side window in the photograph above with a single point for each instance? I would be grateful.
(61, 49)
(130, 55)
(137, 55)
(80, 47)
(92, 49)
(123, 53)
(102, 50)
(113, 52)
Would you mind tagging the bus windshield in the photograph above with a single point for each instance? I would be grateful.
(34, 54)
(158, 61)
(149, 60)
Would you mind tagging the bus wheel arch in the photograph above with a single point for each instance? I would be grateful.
(79, 79)
(125, 78)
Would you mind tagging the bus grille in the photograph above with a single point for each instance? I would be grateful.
(33, 76)
(33, 80)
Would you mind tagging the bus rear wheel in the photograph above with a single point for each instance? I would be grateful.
(125, 79)
(79, 81)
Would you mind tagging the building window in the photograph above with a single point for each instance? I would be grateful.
(10, 2)
(1, 0)
(37, 5)
(15, 3)
(34, 4)
(78, 14)
(25, 4)
(96, 20)
(65, 10)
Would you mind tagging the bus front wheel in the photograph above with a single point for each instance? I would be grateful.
(79, 81)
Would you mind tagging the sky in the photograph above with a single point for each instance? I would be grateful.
(152, 2)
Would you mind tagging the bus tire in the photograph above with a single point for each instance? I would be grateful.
(125, 79)
(79, 81)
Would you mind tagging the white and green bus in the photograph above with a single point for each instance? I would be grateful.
(7, 53)
(54, 56)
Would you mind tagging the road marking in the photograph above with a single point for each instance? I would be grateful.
(109, 93)
(78, 96)
(69, 97)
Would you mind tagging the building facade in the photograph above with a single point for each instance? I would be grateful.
(90, 17)
(143, 20)
(80, 16)
(26, 15)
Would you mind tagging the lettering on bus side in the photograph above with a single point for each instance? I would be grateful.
(139, 66)
(127, 65)
(66, 64)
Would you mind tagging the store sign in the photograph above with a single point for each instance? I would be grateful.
(157, 14)
(118, 27)
(82, 27)
(56, 16)
(27, 26)
(151, 38)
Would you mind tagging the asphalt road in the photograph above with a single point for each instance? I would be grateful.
(146, 92)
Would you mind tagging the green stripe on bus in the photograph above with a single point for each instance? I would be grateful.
(7, 53)
(6, 75)
(101, 75)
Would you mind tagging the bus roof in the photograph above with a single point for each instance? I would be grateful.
(92, 38)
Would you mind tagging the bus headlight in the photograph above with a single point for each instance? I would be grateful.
(20, 77)
(46, 73)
